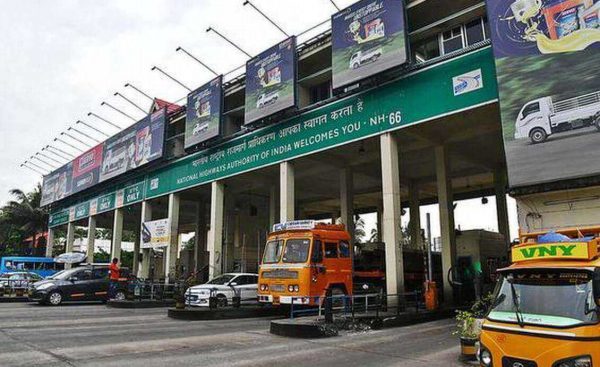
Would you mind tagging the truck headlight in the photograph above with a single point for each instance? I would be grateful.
(582, 361)
(484, 356)
(290, 288)
(296, 288)
(264, 287)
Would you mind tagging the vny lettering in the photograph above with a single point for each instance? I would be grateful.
(543, 251)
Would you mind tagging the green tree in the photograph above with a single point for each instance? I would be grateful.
(25, 213)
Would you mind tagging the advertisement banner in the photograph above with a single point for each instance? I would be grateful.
(57, 185)
(135, 146)
(367, 38)
(203, 115)
(546, 54)
(156, 233)
(86, 169)
(271, 81)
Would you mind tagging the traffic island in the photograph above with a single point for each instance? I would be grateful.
(224, 313)
(316, 327)
(146, 303)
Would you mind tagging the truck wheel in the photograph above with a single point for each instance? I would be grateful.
(538, 135)
(337, 292)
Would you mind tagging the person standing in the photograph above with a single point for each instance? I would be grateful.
(114, 274)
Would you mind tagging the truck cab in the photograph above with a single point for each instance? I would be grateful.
(302, 260)
(533, 121)
(547, 303)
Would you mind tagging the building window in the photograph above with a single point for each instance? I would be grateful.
(474, 31)
(320, 92)
(426, 49)
(452, 40)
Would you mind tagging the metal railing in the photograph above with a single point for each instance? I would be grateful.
(12, 288)
(153, 290)
(360, 305)
(217, 298)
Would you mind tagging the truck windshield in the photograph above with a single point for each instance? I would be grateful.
(296, 250)
(548, 298)
(272, 252)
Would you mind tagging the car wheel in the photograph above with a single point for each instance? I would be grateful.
(55, 298)
(119, 296)
(597, 121)
(538, 135)
(221, 300)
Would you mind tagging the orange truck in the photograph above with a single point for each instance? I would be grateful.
(547, 303)
(303, 259)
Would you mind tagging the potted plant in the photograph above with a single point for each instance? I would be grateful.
(467, 328)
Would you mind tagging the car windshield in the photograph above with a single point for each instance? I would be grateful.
(272, 252)
(296, 250)
(221, 280)
(549, 298)
(63, 274)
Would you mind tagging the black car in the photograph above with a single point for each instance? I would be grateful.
(84, 283)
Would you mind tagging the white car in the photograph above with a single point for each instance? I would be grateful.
(224, 287)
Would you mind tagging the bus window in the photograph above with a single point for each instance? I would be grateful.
(331, 250)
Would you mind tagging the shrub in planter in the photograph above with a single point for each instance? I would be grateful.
(468, 329)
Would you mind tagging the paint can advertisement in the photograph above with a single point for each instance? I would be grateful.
(546, 54)
(134, 147)
(203, 115)
(367, 38)
(57, 185)
(271, 81)
(156, 233)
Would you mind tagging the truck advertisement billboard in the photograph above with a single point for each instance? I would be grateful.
(57, 184)
(156, 233)
(366, 38)
(135, 146)
(203, 115)
(271, 81)
(546, 54)
(86, 169)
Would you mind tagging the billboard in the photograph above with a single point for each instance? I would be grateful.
(366, 38)
(546, 54)
(156, 233)
(135, 146)
(271, 81)
(57, 184)
(203, 115)
(86, 169)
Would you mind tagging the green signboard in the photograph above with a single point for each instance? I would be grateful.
(412, 99)
(106, 203)
(59, 217)
(82, 210)
(417, 97)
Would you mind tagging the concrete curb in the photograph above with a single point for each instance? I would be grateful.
(222, 314)
(309, 327)
(140, 304)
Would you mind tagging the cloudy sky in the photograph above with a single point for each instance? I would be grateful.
(60, 59)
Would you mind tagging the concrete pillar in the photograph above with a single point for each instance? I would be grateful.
(215, 234)
(91, 240)
(415, 215)
(50, 242)
(117, 234)
(286, 192)
(392, 235)
(70, 240)
(198, 230)
(347, 200)
(272, 207)
(446, 208)
(501, 206)
(380, 222)
(172, 251)
(144, 271)
(135, 268)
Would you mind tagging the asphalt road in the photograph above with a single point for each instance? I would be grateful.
(563, 155)
(93, 335)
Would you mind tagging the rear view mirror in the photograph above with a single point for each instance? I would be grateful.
(232, 284)
(73, 279)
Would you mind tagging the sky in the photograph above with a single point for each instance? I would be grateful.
(60, 59)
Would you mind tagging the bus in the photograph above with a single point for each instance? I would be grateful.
(43, 266)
